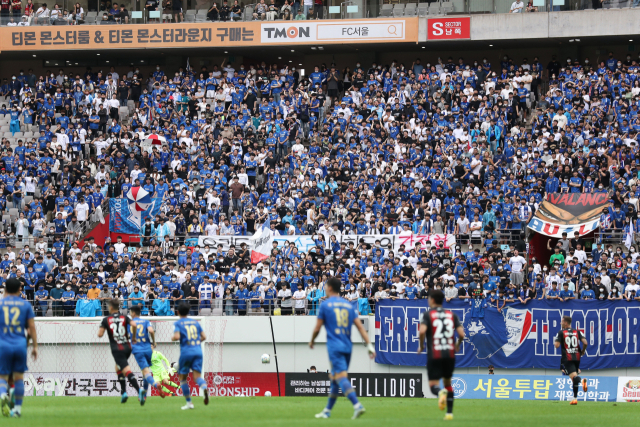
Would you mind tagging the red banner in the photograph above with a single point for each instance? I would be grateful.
(235, 384)
(449, 28)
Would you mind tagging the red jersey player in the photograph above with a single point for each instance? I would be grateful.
(569, 340)
(437, 328)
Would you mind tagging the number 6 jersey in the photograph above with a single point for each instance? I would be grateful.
(117, 326)
(441, 326)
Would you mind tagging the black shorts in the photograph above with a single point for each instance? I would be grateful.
(570, 367)
(440, 368)
(121, 357)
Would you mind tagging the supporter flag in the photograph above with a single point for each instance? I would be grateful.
(127, 214)
(568, 213)
(262, 243)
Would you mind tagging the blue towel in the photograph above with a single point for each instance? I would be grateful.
(88, 307)
(162, 307)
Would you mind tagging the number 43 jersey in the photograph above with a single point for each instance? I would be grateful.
(441, 326)
(117, 326)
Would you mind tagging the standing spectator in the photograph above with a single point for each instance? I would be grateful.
(28, 12)
(176, 6)
(22, 229)
(124, 15)
(517, 6)
(308, 4)
(16, 9)
(5, 10)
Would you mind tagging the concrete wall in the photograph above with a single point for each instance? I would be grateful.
(583, 23)
(74, 347)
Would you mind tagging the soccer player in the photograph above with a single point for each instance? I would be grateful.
(16, 318)
(569, 340)
(337, 315)
(142, 350)
(160, 374)
(437, 327)
(118, 327)
(190, 334)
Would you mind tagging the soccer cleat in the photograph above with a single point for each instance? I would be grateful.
(448, 417)
(160, 391)
(584, 385)
(324, 414)
(124, 398)
(15, 413)
(6, 410)
(206, 396)
(442, 399)
(142, 396)
(189, 405)
(574, 402)
(358, 411)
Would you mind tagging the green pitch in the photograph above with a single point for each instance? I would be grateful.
(291, 411)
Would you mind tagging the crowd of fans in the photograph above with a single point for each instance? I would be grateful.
(459, 147)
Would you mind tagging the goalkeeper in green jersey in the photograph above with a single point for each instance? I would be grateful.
(161, 374)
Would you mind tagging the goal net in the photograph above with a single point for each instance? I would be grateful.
(73, 361)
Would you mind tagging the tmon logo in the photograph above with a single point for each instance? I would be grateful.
(290, 32)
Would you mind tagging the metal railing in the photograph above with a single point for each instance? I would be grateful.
(349, 9)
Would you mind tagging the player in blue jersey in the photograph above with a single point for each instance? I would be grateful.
(337, 315)
(16, 320)
(142, 350)
(190, 334)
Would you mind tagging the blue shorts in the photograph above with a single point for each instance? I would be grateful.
(190, 362)
(12, 359)
(339, 361)
(143, 358)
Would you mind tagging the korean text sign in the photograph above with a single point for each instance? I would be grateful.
(449, 28)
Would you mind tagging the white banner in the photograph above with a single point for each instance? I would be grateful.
(334, 31)
(628, 389)
(306, 242)
(73, 384)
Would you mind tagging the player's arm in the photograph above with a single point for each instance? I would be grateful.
(556, 342)
(583, 340)
(316, 331)
(152, 334)
(365, 337)
(133, 328)
(31, 328)
(423, 337)
(460, 331)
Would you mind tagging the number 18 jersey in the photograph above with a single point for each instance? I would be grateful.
(441, 326)
(338, 315)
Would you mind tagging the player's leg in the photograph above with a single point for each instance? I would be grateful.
(183, 373)
(18, 380)
(144, 361)
(123, 385)
(434, 374)
(4, 395)
(197, 377)
(334, 391)
(449, 397)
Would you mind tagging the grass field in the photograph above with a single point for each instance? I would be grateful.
(291, 411)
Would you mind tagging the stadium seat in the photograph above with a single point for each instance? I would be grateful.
(201, 15)
(423, 9)
(90, 17)
(446, 7)
(398, 10)
(434, 9)
(190, 15)
(27, 199)
(248, 13)
(18, 135)
(386, 10)
(410, 9)
(13, 213)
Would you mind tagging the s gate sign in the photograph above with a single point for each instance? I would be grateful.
(449, 28)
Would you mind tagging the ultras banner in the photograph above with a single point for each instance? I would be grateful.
(521, 336)
(568, 213)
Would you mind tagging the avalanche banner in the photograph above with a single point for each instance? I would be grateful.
(521, 336)
(304, 243)
(127, 214)
(568, 213)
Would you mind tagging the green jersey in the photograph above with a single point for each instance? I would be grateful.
(157, 368)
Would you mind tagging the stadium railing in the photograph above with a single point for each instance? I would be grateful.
(350, 10)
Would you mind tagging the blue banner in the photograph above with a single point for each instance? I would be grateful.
(127, 215)
(521, 336)
(532, 387)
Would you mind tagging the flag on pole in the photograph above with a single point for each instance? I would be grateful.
(262, 243)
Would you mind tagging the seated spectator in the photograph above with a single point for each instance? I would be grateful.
(78, 14)
(260, 11)
(225, 11)
(272, 11)
(213, 14)
(517, 6)
(531, 7)
(300, 16)
(42, 14)
(236, 11)
(56, 13)
(285, 11)
(123, 14)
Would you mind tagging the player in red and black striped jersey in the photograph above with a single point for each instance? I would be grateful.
(117, 327)
(437, 328)
(569, 339)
